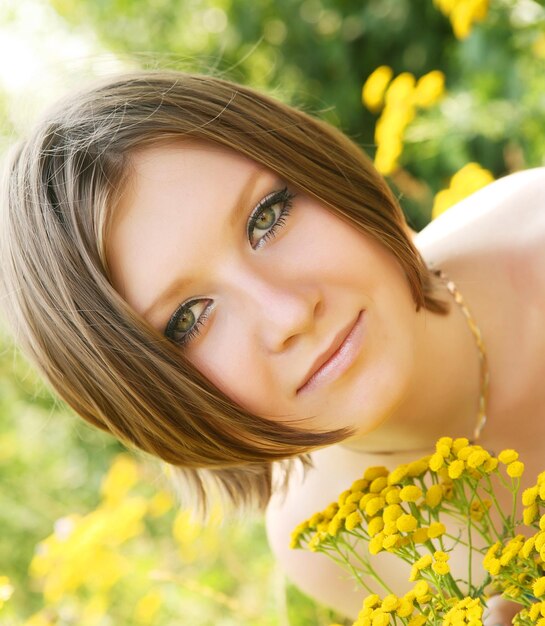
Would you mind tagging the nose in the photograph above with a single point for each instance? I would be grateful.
(279, 309)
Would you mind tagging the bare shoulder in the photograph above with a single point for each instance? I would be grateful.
(508, 214)
(313, 573)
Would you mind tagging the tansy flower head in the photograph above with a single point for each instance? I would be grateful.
(410, 493)
(515, 469)
(436, 529)
(507, 456)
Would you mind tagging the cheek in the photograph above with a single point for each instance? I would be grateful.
(232, 365)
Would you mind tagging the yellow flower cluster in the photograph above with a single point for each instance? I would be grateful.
(399, 99)
(399, 511)
(411, 607)
(463, 14)
(466, 181)
(467, 611)
(83, 554)
(383, 505)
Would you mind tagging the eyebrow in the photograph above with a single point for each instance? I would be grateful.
(234, 215)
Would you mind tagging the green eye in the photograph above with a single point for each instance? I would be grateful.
(269, 215)
(266, 219)
(184, 322)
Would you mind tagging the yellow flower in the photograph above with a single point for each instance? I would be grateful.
(465, 182)
(378, 484)
(529, 495)
(147, 608)
(380, 618)
(390, 603)
(353, 520)
(441, 568)
(424, 561)
(345, 510)
(374, 506)
(375, 525)
(417, 468)
(401, 90)
(493, 566)
(390, 542)
(414, 575)
(390, 528)
(420, 535)
(515, 469)
(527, 547)
(375, 472)
(436, 529)
(398, 474)
(371, 601)
(459, 443)
(392, 495)
(406, 523)
(529, 514)
(477, 458)
(372, 93)
(359, 485)
(160, 504)
(436, 462)
(434, 495)
(507, 456)
(429, 89)
(392, 512)
(538, 588)
(410, 493)
(456, 469)
(375, 544)
(439, 555)
(421, 589)
(121, 477)
(405, 607)
(342, 497)
(490, 465)
(355, 496)
(335, 526)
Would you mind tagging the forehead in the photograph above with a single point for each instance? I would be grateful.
(173, 194)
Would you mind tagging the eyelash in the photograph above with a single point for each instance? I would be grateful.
(284, 198)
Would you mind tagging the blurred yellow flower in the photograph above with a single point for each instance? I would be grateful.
(372, 93)
(465, 182)
(429, 89)
(147, 608)
(463, 14)
(122, 476)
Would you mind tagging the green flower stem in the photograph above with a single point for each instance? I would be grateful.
(343, 562)
(353, 569)
(490, 492)
(369, 568)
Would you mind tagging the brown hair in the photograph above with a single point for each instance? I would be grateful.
(102, 358)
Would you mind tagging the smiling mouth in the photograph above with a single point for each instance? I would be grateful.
(337, 358)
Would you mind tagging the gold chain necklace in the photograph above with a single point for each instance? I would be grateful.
(484, 374)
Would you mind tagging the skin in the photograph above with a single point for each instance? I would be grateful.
(276, 307)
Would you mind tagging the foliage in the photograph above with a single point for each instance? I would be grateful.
(403, 512)
(318, 53)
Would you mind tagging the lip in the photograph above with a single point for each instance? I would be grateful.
(337, 358)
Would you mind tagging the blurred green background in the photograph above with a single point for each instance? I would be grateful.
(146, 562)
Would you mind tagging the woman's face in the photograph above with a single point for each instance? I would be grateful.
(258, 284)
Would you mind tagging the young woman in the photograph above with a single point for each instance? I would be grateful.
(227, 283)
